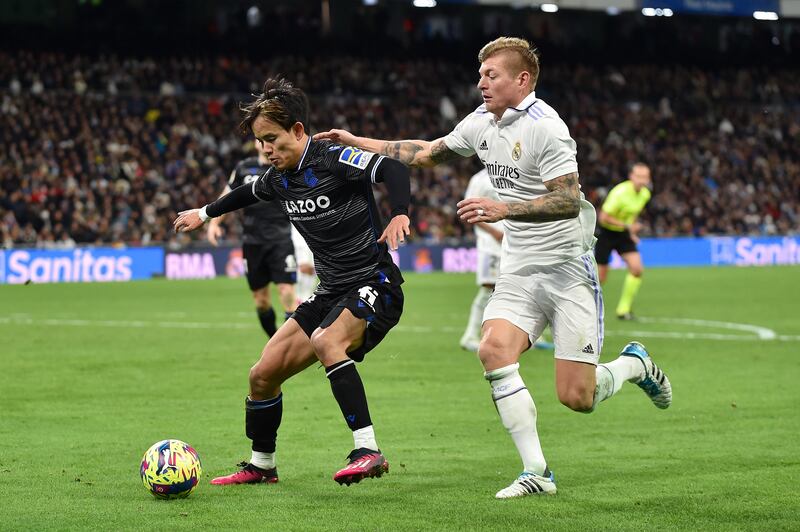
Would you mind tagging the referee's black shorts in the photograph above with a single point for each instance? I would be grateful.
(608, 240)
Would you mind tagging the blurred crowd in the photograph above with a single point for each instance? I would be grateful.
(107, 149)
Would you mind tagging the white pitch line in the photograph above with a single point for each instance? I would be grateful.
(762, 332)
(18, 319)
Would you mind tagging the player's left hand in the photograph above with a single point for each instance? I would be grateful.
(399, 227)
(474, 210)
(187, 221)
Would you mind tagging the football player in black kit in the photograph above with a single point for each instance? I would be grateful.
(326, 190)
(266, 244)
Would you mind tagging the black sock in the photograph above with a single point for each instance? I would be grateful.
(349, 393)
(262, 419)
(267, 319)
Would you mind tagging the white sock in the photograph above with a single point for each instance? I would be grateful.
(365, 438)
(305, 285)
(262, 460)
(476, 314)
(518, 413)
(611, 376)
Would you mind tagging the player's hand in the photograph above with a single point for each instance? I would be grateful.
(399, 227)
(474, 210)
(213, 232)
(635, 238)
(339, 136)
(187, 221)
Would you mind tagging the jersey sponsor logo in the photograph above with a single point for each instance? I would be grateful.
(500, 183)
(516, 153)
(483, 146)
(496, 169)
(355, 157)
(307, 206)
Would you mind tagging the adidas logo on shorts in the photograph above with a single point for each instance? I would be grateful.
(588, 349)
(483, 146)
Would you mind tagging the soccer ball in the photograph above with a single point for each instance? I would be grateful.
(170, 469)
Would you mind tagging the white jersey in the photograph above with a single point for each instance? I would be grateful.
(527, 147)
(481, 187)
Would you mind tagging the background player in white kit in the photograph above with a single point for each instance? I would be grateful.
(548, 274)
(488, 239)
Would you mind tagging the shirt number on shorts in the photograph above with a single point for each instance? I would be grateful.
(368, 294)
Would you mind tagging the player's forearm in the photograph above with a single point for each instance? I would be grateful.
(556, 205)
(238, 199)
(408, 152)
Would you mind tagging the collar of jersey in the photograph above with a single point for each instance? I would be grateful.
(521, 107)
(305, 151)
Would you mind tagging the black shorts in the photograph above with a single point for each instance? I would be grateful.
(612, 240)
(269, 263)
(378, 302)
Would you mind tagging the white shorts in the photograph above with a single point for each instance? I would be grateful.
(488, 268)
(302, 253)
(567, 296)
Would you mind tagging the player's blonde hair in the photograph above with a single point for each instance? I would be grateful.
(525, 52)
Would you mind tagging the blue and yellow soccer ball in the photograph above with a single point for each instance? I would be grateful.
(170, 469)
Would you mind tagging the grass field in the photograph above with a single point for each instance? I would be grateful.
(94, 374)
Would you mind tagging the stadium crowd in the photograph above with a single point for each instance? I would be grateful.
(107, 150)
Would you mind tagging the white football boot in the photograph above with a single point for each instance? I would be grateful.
(529, 484)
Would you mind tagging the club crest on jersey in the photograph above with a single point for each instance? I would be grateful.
(516, 153)
(310, 178)
(355, 157)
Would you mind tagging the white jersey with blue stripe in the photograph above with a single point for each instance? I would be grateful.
(527, 147)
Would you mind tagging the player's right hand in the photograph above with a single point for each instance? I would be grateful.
(339, 136)
(213, 233)
(187, 221)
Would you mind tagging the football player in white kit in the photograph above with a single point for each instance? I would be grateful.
(548, 274)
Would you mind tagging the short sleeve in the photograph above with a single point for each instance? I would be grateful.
(354, 164)
(463, 138)
(613, 201)
(555, 149)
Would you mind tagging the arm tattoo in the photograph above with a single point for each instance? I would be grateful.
(561, 203)
(404, 151)
(440, 153)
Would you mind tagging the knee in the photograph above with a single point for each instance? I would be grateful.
(285, 290)
(577, 398)
(323, 343)
(262, 302)
(262, 381)
(492, 351)
(637, 270)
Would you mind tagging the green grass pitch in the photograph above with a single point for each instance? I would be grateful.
(92, 375)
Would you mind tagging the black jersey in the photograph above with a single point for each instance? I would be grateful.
(329, 199)
(265, 222)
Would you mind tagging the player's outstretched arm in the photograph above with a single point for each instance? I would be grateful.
(563, 201)
(192, 219)
(418, 153)
(397, 179)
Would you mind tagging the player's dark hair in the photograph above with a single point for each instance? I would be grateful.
(281, 102)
